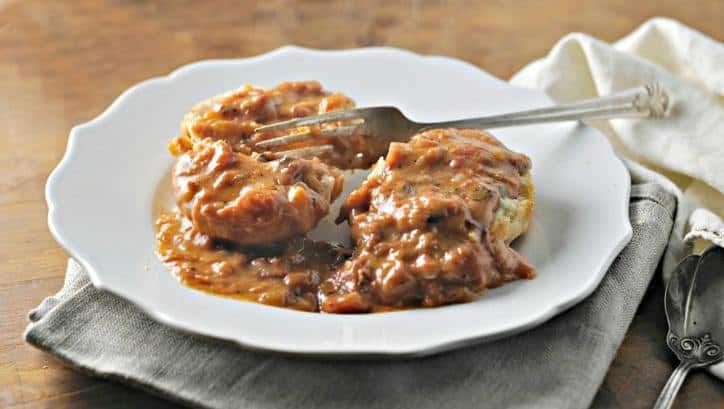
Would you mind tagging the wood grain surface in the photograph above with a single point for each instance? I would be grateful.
(63, 62)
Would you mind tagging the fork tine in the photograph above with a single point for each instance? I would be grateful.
(313, 120)
(340, 131)
(285, 140)
(307, 152)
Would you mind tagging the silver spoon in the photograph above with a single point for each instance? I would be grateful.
(694, 304)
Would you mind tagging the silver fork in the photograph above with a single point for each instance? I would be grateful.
(647, 101)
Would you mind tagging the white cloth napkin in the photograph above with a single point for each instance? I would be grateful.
(687, 148)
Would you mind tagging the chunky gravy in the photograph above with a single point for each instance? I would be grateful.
(426, 224)
(431, 225)
(232, 117)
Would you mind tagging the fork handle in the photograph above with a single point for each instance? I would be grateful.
(642, 102)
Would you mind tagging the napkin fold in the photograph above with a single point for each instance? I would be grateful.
(559, 364)
(687, 148)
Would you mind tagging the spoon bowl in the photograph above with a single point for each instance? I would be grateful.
(695, 313)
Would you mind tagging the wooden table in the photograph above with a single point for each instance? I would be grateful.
(62, 63)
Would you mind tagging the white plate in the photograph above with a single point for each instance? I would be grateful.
(105, 193)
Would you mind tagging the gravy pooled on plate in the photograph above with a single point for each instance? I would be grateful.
(285, 275)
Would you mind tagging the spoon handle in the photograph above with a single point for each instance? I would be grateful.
(668, 394)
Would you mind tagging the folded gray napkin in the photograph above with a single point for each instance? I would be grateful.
(559, 364)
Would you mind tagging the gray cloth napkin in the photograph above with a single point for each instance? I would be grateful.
(559, 364)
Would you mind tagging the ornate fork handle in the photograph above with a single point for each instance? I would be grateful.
(694, 352)
(646, 101)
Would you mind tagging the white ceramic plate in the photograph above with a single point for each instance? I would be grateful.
(104, 195)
